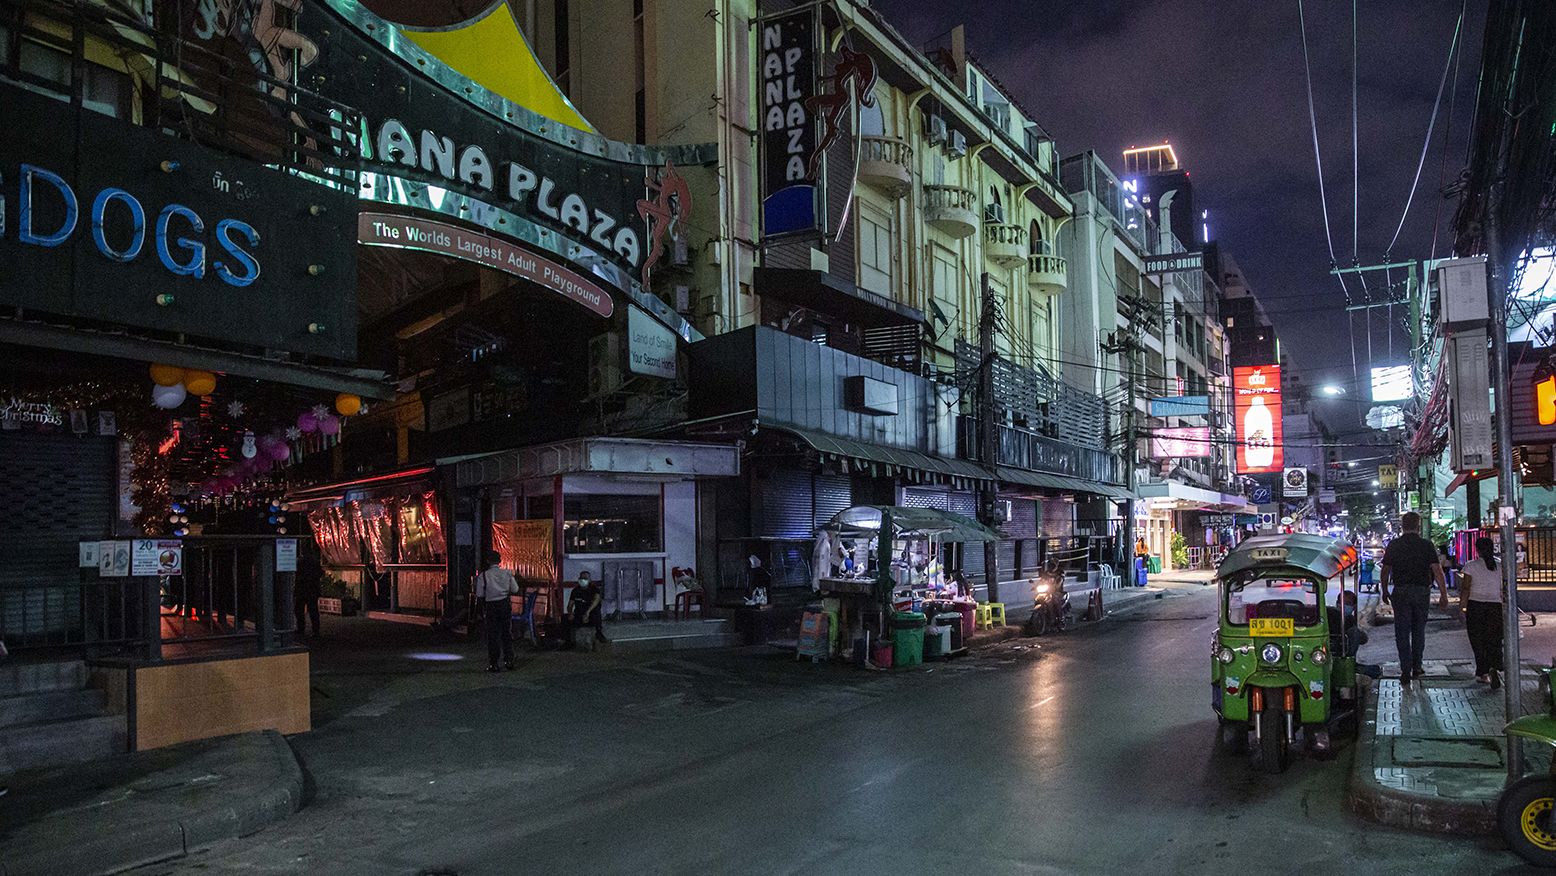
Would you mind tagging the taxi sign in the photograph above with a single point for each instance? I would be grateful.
(1271, 626)
(1269, 553)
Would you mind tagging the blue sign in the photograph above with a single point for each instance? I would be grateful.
(1180, 406)
(1262, 495)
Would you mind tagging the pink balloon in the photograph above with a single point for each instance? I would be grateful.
(280, 452)
(330, 425)
(307, 422)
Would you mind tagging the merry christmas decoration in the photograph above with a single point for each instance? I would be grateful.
(200, 383)
(320, 412)
(168, 397)
(235, 409)
(293, 432)
(348, 405)
(249, 449)
(167, 375)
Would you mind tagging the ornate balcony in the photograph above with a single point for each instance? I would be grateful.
(951, 209)
(884, 163)
(1004, 244)
(1047, 274)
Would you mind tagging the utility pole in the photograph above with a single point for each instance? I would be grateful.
(988, 430)
(1127, 347)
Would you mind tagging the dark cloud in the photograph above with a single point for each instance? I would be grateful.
(1223, 80)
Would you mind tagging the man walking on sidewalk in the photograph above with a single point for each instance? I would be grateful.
(1410, 566)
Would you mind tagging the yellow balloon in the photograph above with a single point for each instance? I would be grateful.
(347, 404)
(167, 375)
(199, 382)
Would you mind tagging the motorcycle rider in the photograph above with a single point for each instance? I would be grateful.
(1048, 596)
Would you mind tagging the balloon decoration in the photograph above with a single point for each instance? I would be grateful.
(347, 404)
(330, 425)
(280, 452)
(307, 422)
(167, 375)
(168, 397)
(200, 383)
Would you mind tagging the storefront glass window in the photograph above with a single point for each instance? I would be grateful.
(612, 524)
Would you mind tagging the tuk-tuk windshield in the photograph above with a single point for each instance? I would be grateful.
(1277, 596)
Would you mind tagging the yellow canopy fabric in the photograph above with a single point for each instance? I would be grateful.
(490, 50)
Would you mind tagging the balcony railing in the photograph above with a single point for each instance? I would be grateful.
(1047, 274)
(217, 100)
(1005, 243)
(951, 209)
(885, 163)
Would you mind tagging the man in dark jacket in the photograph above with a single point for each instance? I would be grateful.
(306, 585)
(1410, 566)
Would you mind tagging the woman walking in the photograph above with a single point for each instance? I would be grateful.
(1480, 597)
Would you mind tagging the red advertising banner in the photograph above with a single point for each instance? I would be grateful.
(1256, 407)
(1180, 443)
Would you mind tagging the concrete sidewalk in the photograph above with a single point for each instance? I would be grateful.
(133, 809)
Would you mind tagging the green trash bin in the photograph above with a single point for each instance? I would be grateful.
(907, 634)
(1154, 565)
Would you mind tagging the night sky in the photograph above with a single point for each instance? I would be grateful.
(1223, 81)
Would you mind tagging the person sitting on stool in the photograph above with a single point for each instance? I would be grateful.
(583, 609)
(493, 587)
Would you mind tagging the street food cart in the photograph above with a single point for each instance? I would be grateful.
(873, 559)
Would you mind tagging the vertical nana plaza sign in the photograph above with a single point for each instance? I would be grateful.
(1256, 407)
(791, 178)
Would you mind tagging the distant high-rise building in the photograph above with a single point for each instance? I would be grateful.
(1164, 189)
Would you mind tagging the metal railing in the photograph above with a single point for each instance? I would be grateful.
(943, 197)
(1038, 263)
(227, 596)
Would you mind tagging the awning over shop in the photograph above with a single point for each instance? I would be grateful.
(895, 460)
(825, 292)
(1466, 477)
(389, 482)
(1183, 497)
(929, 523)
(671, 460)
(1048, 480)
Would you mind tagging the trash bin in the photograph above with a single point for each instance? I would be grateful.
(1140, 571)
(952, 620)
(907, 635)
(937, 639)
(969, 612)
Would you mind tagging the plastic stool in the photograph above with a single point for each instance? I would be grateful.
(988, 611)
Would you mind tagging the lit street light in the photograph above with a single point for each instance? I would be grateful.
(1331, 389)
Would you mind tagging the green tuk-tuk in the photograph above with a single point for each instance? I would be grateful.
(1283, 659)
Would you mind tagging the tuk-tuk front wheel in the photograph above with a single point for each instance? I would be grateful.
(1526, 814)
(1274, 750)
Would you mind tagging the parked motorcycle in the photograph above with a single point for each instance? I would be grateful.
(1050, 604)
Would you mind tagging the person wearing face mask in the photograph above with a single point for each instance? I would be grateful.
(584, 608)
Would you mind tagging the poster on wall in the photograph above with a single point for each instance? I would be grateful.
(156, 556)
(791, 189)
(650, 345)
(1180, 442)
(113, 559)
(286, 555)
(1257, 409)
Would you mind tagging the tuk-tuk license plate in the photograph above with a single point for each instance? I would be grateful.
(1272, 626)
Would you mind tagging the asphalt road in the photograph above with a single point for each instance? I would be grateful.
(1091, 753)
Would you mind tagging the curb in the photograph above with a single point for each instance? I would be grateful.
(172, 838)
(1365, 797)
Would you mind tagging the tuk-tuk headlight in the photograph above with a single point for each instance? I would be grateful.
(1270, 653)
(1320, 656)
(1225, 655)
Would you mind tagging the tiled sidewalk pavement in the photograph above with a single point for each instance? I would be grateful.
(1432, 756)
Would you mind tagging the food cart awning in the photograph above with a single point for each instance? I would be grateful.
(1318, 554)
(929, 523)
(959, 471)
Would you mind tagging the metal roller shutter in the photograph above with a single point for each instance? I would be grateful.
(833, 495)
(783, 505)
(916, 497)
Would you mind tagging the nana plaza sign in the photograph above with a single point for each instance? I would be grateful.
(107, 221)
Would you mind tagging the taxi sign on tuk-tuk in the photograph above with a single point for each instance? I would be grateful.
(1272, 554)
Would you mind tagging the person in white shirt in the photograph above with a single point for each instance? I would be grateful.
(493, 587)
(1480, 598)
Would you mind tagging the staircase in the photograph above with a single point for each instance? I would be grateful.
(50, 716)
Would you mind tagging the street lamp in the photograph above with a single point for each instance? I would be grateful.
(1331, 389)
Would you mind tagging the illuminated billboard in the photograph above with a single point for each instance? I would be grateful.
(1391, 383)
(1256, 407)
(1180, 443)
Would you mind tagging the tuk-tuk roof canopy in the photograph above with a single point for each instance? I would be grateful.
(929, 523)
(1320, 555)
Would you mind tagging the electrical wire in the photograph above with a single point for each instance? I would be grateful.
(1312, 114)
(1427, 143)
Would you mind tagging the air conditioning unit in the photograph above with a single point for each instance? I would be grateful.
(679, 255)
(935, 130)
(683, 300)
(604, 363)
(958, 145)
(994, 213)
